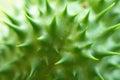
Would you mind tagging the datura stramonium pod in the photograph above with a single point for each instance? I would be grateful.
(61, 40)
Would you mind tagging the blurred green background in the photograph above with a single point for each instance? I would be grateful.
(6, 4)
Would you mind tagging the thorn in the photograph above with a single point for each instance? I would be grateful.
(72, 18)
(48, 7)
(94, 58)
(53, 22)
(25, 44)
(99, 16)
(27, 3)
(89, 55)
(65, 11)
(40, 12)
(17, 29)
(53, 26)
(74, 73)
(12, 19)
(86, 18)
(60, 61)
(88, 45)
(26, 11)
(101, 55)
(34, 65)
(98, 73)
(113, 53)
(56, 49)
(46, 61)
(65, 57)
(31, 72)
(109, 31)
(34, 24)
(78, 27)
(82, 35)
(42, 38)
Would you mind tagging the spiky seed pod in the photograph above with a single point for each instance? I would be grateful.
(60, 40)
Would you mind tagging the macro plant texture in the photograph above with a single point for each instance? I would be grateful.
(61, 40)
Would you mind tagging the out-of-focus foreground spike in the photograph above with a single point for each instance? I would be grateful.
(61, 40)
(99, 16)
(17, 29)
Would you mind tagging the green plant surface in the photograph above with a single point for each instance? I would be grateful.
(61, 40)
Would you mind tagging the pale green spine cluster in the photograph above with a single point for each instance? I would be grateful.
(61, 40)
